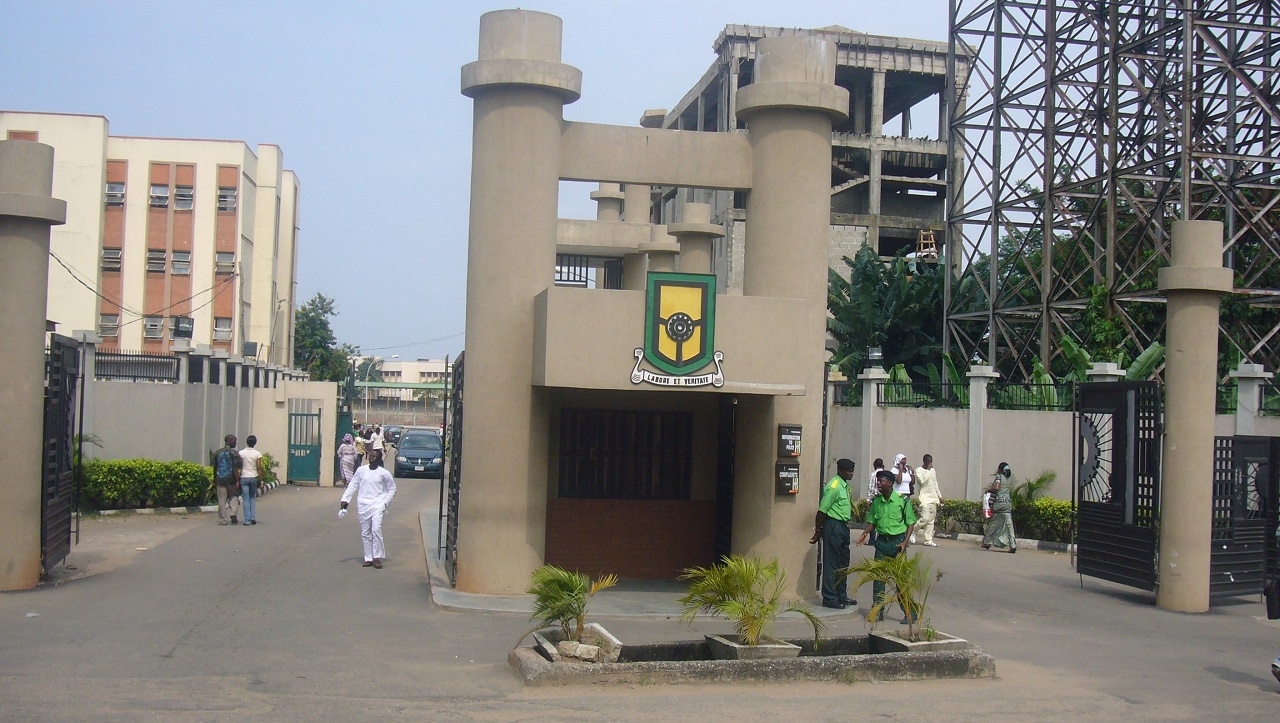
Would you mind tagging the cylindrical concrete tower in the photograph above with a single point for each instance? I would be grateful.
(520, 87)
(1193, 283)
(695, 233)
(608, 198)
(27, 210)
(789, 111)
(661, 251)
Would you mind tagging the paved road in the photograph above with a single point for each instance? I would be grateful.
(280, 621)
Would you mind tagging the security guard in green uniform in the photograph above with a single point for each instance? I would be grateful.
(831, 525)
(892, 518)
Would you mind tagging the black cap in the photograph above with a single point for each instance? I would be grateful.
(843, 463)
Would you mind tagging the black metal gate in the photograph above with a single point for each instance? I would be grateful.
(455, 474)
(1117, 473)
(1244, 514)
(57, 477)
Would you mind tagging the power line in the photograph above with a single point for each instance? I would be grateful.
(76, 276)
(416, 343)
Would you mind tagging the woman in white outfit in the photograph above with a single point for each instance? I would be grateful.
(373, 488)
(903, 481)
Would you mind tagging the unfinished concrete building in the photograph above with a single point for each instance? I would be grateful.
(888, 163)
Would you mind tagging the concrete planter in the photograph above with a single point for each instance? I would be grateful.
(547, 642)
(727, 647)
(894, 642)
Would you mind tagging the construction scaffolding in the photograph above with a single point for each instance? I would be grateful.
(1087, 128)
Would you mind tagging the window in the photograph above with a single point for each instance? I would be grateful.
(115, 194)
(111, 259)
(222, 328)
(226, 198)
(155, 261)
(181, 327)
(620, 454)
(184, 197)
(182, 263)
(153, 327)
(159, 195)
(108, 325)
(224, 262)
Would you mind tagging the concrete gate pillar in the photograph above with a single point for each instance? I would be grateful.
(1249, 380)
(519, 88)
(789, 111)
(1193, 283)
(27, 210)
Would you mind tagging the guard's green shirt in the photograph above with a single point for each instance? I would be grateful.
(892, 516)
(835, 500)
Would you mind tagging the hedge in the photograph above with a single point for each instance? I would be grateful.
(132, 483)
(1041, 519)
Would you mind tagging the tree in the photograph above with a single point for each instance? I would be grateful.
(895, 306)
(316, 349)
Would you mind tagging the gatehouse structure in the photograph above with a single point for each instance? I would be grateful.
(643, 429)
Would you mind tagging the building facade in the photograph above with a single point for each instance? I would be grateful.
(888, 160)
(169, 239)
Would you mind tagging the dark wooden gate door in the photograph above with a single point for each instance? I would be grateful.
(57, 478)
(455, 473)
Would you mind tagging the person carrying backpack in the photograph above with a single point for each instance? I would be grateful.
(226, 478)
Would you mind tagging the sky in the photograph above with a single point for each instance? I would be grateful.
(363, 98)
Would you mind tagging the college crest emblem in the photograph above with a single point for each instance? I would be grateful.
(679, 331)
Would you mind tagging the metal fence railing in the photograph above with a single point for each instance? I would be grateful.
(136, 366)
(1269, 404)
(846, 394)
(1043, 397)
(922, 394)
(1226, 398)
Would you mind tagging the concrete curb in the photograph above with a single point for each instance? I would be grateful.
(534, 670)
(1023, 544)
(193, 510)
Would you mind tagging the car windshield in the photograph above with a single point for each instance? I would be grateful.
(420, 441)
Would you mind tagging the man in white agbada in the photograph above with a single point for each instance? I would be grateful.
(373, 488)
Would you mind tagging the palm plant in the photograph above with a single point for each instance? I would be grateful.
(1029, 490)
(560, 598)
(746, 591)
(908, 581)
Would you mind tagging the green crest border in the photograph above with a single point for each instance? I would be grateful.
(653, 325)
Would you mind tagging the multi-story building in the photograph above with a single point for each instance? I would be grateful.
(888, 173)
(169, 238)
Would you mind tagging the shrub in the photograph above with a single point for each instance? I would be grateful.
(560, 598)
(1044, 519)
(130, 483)
(269, 467)
(745, 590)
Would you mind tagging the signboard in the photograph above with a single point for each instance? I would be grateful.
(788, 440)
(787, 478)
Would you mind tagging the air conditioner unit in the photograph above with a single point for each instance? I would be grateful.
(250, 349)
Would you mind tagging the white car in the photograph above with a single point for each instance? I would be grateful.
(1275, 667)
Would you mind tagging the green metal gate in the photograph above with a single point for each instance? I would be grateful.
(304, 446)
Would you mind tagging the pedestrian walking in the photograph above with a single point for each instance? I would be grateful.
(831, 525)
(873, 488)
(903, 481)
(347, 457)
(892, 519)
(930, 499)
(999, 530)
(373, 488)
(226, 480)
(250, 480)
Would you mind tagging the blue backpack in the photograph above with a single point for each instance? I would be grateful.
(224, 465)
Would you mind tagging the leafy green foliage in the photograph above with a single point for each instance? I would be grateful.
(316, 349)
(560, 598)
(897, 307)
(269, 467)
(132, 483)
(746, 591)
(1027, 491)
(1044, 519)
(908, 580)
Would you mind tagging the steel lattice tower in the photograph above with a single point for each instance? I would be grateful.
(1084, 130)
